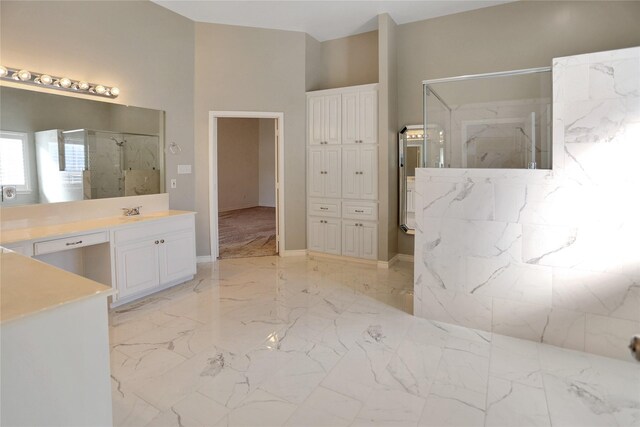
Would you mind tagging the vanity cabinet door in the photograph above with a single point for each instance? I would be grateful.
(368, 117)
(137, 267)
(177, 256)
(368, 240)
(368, 172)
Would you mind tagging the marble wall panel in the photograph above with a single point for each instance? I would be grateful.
(550, 256)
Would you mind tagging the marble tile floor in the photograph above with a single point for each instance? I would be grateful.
(306, 341)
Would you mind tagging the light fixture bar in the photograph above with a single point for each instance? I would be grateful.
(53, 82)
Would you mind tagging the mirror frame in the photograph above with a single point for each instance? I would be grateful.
(403, 146)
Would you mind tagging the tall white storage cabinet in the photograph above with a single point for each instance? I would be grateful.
(342, 171)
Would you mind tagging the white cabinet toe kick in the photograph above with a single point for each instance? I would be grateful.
(136, 257)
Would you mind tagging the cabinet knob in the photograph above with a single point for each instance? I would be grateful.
(162, 241)
(157, 242)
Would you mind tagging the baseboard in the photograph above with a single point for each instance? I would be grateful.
(293, 252)
(405, 257)
(342, 258)
(204, 258)
(395, 259)
(388, 264)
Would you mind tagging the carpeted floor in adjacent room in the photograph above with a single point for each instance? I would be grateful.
(247, 232)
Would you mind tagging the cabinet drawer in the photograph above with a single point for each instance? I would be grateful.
(63, 244)
(324, 207)
(360, 210)
(142, 231)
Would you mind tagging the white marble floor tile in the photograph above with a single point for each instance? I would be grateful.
(128, 409)
(385, 407)
(259, 409)
(511, 404)
(450, 412)
(325, 407)
(516, 360)
(320, 342)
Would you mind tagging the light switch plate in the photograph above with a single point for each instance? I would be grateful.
(174, 183)
(184, 169)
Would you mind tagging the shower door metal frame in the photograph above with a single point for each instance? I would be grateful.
(426, 90)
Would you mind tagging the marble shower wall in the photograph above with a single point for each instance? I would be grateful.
(549, 256)
(108, 161)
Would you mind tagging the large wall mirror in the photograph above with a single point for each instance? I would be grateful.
(56, 148)
(410, 145)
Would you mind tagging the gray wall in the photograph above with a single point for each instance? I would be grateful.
(387, 128)
(347, 61)
(517, 35)
(145, 50)
(237, 164)
(252, 69)
(267, 162)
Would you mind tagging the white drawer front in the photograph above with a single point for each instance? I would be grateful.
(360, 210)
(324, 207)
(63, 244)
(145, 230)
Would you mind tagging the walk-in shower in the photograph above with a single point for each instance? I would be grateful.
(496, 120)
(106, 164)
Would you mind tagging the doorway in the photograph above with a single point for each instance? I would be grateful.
(246, 204)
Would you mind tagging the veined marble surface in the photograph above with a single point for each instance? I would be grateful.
(305, 341)
(548, 256)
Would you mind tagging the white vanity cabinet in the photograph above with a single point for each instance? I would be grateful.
(153, 255)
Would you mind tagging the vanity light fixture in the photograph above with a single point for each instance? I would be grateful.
(53, 82)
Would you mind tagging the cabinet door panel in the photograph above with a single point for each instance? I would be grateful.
(332, 165)
(137, 268)
(332, 119)
(332, 234)
(316, 122)
(349, 118)
(177, 257)
(315, 173)
(368, 117)
(350, 165)
(368, 241)
(350, 233)
(315, 234)
(369, 176)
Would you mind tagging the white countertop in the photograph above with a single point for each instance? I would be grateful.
(52, 231)
(28, 286)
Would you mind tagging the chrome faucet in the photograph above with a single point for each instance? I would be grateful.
(132, 211)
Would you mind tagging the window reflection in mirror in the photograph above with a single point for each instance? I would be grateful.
(57, 148)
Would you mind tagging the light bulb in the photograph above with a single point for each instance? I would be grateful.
(3, 71)
(100, 90)
(65, 83)
(83, 85)
(115, 91)
(24, 75)
(46, 79)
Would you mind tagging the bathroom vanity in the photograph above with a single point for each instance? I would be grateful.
(136, 255)
(54, 335)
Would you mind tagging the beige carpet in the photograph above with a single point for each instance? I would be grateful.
(247, 232)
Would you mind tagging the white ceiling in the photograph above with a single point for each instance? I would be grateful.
(324, 20)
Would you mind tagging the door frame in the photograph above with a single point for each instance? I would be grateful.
(213, 174)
